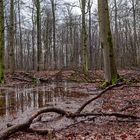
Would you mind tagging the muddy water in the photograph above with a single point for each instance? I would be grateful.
(17, 101)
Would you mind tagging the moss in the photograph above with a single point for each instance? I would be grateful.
(34, 81)
(115, 80)
(2, 81)
(104, 85)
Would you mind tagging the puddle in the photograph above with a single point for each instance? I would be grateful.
(17, 101)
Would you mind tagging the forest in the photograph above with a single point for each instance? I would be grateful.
(69, 70)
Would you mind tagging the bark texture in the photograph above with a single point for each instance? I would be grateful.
(39, 44)
(111, 74)
(11, 37)
(1, 42)
(84, 37)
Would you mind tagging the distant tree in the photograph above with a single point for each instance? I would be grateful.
(53, 5)
(39, 44)
(89, 34)
(116, 42)
(33, 37)
(11, 37)
(50, 37)
(134, 3)
(1, 42)
(20, 34)
(47, 37)
(84, 37)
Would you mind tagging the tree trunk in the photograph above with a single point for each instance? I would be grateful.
(33, 40)
(116, 30)
(11, 37)
(1, 42)
(39, 44)
(89, 36)
(54, 34)
(135, 35)
(84, 38)
(20, 34)
(110, 70)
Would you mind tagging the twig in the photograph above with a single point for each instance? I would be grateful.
(116, 114)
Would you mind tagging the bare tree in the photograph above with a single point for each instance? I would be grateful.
(54, 33)
(111, 74)
(84, 37)
(20, 34)
(1, 42)
(11, 37)
(39, 44)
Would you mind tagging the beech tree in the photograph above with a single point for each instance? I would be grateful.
(54, 33)
(33, 37)
(39, 44)
(59, 36)
(84, 37)
(20, 34)
(11, 37)
(134, 3)
(1, 42)
(89, 34)
(110, 70)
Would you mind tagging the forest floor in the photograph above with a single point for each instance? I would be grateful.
(124, 99)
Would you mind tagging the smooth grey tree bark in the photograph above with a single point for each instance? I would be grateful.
(110, 70)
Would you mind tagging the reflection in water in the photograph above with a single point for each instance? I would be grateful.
(2, 103)
(18, 100)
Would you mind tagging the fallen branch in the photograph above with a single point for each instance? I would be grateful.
(39, 118)
(31, 130)
(98, 96)
(31, 78)
(127, 86)
(26, 125)
(75, 123)
(116, 114)
(21, 79)
(39, 131)
(127, 107)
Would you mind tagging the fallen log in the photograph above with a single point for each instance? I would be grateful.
(26, 125)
